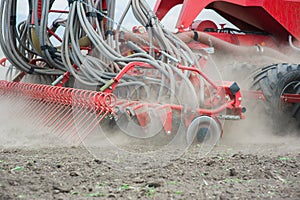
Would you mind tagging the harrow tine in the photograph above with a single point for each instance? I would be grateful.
(55, 108)
(91, 127)
(66, 117)
(28, 106)
(83, 122)
(57, 116)
(48, 104)
(42, 112)
(71, 123)
(89, 108)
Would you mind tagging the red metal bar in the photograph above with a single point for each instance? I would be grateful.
(291, 98)
(61, 95)
(54, 34)
(251, 94)
(194, 69)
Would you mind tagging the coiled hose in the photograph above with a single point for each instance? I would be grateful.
(92, 23)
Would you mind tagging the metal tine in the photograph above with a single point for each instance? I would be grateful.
(59, 107)
(83, 100)
(59, 115)
(89, 100)
(87, 120)
(11, 109)
(44, 109)
(67, 117)
(59, 97)
(75, 118)
(38, 93)
(26, 106)
(15, 100)
(50, 113)
(43, 112)
(102, 104)
(35, 109)
(78, 103)
(23, 90)
(66, 113)
(82, 121)
(44, 95)
(10, 99)
(91, 127)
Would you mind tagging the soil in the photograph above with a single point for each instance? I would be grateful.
(239, 171)
(249, 162)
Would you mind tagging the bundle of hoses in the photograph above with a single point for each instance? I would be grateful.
(90, 23)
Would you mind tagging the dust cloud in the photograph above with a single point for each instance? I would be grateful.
(259, 126)
(18, 130)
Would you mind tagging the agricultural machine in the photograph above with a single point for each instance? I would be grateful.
(267, 29)
(72, 69)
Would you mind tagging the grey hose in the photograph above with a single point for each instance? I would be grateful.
(85, 24)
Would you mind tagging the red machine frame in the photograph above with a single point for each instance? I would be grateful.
(251, 15)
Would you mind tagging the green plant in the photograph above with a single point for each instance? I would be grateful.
(178, 192)
(100, 185)
(172, 183)
(284, 158)
(125, 187)
(97, 194)
(17, 168)
(150, 192)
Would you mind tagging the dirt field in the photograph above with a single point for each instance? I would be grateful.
(248, 163)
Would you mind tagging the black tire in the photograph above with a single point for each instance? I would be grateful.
(274, 81)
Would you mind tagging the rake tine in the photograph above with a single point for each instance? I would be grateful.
(90, 128)
(28, 103)
(37, 111)
(48, 104)
(65, 129)
(80, 123)
(44, 111)
(87, 119)
(52, 113)
(66, 117)
(58, 115)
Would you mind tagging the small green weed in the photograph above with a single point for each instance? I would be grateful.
(97, 194)
(178, 192)
(17, 168)
(125, 187)
(150, 192)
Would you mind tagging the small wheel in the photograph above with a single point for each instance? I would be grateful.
(205, 129)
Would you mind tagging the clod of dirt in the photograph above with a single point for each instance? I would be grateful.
(154, 184)
(62, 189)
(232, 172)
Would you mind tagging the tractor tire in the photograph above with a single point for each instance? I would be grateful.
(274, 81)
